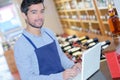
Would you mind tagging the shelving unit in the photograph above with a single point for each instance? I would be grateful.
(86, 16)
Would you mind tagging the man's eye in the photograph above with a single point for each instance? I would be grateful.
(42, 11)
(33, 12)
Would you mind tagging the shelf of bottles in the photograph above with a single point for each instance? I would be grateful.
(76, 13)
(74, 46)
(103, 8)
(81, 15)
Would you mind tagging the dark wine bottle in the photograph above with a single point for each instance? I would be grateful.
(113, 21)
(70, 37)
(73, 50)
(91, 45)
(84, 37)
(90, 41)
(65, 44)
(81, 40)
(77, 53)
(105, 44)
(67, 48)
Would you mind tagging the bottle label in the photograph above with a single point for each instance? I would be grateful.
(77, 53)
(65, 44)
(92, 44)
(82, 38)
(90, 40)
(84, 41)
(104, 47)
(67, 48)
(74, 49)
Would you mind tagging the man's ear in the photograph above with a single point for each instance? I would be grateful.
(24, 15)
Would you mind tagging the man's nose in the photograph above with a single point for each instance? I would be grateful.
(40, 15)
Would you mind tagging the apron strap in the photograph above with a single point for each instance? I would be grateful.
(30, 41)
(49, 35)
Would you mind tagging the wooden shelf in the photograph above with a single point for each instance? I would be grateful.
(105, 22)
(103, 8)
(61, 1)
(87, 15)
(92, 35)
(71, 10)
(91, 21)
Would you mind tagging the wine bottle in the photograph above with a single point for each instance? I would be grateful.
(74, 39)
(70, 37)
(61, 39)
(74, 49)
(90, 41)
(78, 40)
(77, 53)
(91, 45)
(84, 37)
(76, 56)
(67, 48)
(105, 44)
(65, 44)
(81, 40)
(84, 41)
(113, 20)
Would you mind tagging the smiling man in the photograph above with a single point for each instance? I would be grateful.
(37, 52)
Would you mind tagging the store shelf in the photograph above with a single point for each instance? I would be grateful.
(89, 15)
(61, 1)
(92, 35)
(102, 8)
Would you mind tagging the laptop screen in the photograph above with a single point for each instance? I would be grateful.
(90, 62)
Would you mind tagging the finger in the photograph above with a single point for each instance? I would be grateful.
(73, 73)
(78, 65)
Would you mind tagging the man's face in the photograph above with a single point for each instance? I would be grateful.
(35, 15)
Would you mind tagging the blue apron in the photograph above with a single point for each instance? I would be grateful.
(48, 58)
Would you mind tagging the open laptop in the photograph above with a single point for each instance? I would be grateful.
(90, 62)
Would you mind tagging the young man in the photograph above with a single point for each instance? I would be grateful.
(37, 52)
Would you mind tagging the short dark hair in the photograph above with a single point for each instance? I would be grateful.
(26, 3)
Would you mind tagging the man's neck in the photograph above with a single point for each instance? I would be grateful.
(34, 31)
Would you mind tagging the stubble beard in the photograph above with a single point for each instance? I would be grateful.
(35, 26)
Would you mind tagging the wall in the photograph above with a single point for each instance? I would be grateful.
(17, 4)
(117, 2)
(51, 17)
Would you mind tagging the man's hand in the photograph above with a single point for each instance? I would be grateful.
(69, 73)
(77, 67)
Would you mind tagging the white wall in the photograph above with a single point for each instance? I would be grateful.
(117, 6)
(51, 17)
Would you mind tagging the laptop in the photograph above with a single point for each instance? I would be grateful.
(90, 62)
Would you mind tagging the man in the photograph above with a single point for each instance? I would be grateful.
(37, 52)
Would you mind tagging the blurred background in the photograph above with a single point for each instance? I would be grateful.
(64, 17)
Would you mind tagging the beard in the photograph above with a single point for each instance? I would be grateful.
(35, 26)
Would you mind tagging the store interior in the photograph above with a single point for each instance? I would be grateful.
(73, 21)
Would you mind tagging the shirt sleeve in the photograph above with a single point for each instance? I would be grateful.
(23, 62)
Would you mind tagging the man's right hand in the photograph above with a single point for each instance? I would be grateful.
(69, 73)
